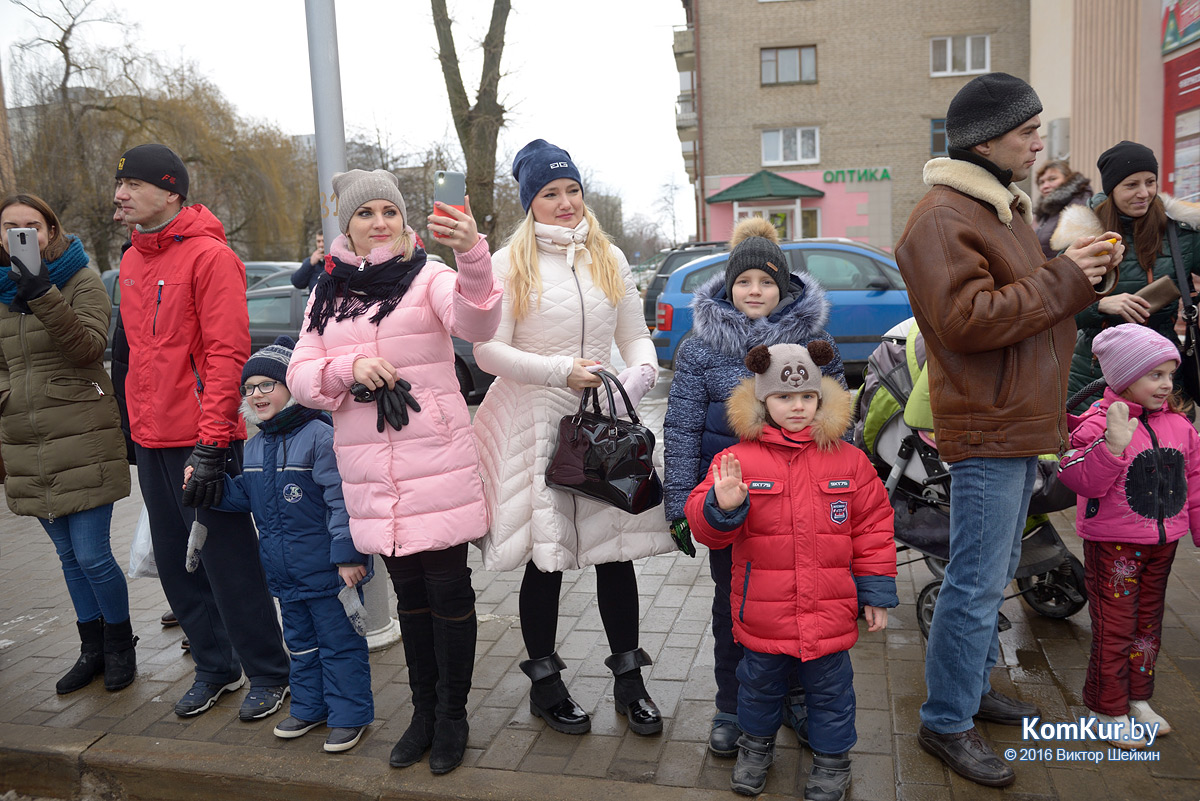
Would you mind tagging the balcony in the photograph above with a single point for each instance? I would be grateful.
(685, 41)
(685, 111)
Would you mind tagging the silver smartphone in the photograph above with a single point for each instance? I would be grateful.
(23, 243)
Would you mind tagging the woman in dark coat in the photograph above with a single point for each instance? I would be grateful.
(1058, 187)
(61, 431)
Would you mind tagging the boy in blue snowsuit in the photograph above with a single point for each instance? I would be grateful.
(290, 483)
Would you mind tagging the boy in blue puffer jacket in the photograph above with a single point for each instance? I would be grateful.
(290, 483)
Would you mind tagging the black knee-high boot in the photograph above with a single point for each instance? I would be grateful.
(454, 630)
(416, 631)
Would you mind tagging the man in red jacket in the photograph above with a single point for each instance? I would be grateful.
(183, 306)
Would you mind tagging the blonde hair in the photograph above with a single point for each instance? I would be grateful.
(524, 278)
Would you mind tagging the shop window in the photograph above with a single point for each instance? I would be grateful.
(791, 146)
(937, 137)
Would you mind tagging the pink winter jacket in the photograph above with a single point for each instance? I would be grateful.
(419, 488)
(1150, 495)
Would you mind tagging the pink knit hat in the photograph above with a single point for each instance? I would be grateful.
(1127, 352)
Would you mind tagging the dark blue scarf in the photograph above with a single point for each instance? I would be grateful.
(61, 270)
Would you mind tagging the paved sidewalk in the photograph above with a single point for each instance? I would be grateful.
(130, 744)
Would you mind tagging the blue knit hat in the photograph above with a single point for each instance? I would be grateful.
(539, 163)
(271, 361)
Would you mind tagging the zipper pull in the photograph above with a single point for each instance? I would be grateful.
(99, 391)
(362, 265)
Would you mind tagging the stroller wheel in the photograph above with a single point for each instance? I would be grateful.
(936, 566)
(1057, 594)
(926, 601)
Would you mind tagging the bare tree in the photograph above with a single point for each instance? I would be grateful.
(8, 176)
(477, 125)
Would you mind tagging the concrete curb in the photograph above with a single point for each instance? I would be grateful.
(64, 763)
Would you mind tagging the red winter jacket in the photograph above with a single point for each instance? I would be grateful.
(183, 305)
(817, 538)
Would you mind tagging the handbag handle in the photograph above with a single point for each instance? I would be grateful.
(1181, 277)
(608, 381)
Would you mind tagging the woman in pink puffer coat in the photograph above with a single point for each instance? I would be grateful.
(377, 353)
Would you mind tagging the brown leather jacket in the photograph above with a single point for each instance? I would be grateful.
(998, 320)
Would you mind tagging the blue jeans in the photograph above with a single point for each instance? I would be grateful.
(989, 499)
(94, 580)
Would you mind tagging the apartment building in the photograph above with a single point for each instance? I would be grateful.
(821, 114)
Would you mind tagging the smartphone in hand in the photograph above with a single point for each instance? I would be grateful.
(449, 187)
(23, 243)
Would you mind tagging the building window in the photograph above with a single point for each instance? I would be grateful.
(687, 82)
(789, 65)
(791, 146)
(937, 137)
(959, 55)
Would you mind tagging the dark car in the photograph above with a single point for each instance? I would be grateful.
(672, 261)
(276, 311)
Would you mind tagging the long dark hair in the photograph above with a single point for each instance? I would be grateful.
(1148, 230)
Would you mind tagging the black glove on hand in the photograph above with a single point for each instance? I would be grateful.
(31, 284)
(394, 404)
(204, 488)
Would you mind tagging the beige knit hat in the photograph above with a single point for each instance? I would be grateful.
(788, 368)
(356, 187)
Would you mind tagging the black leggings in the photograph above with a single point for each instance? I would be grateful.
(616, 593)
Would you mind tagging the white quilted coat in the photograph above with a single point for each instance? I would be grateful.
(516, 426)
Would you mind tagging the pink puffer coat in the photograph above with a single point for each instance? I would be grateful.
(419, 488)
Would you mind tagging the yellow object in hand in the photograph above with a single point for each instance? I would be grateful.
(1111, 242)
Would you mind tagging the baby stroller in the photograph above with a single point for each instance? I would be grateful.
(893, 426)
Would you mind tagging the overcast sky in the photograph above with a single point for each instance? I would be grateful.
(595, 78)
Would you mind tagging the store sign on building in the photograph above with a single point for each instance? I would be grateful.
(857, 176)
(1180, 24)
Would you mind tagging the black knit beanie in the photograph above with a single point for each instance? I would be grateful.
(987, 107)
(756, 247)
(1122, 160)
(271, 361)
(157, 165)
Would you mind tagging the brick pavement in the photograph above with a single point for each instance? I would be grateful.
(131, 745)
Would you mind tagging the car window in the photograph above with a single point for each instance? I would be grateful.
(840, 269)
(892, 273)
(270, 310)
(693, 281)
(277, 279)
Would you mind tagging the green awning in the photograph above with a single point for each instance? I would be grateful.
(764, 185)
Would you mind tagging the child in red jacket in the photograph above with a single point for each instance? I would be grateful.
(811, 530)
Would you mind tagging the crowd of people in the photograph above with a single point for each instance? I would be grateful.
(365, 446)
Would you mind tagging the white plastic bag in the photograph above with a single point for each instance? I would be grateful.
(141, 552)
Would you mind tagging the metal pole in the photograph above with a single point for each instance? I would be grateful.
(382, 628)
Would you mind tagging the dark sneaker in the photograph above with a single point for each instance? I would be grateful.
(755, 755)
(294, 727)
(343, 739)
(722, 740)
(203, 695)
(262, 701)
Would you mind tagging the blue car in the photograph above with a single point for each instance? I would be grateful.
(862, 283)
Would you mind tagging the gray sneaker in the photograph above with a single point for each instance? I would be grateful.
(343, 739)
(294, 727)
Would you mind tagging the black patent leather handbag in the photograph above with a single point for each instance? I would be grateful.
(604, 457)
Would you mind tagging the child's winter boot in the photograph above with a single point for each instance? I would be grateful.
(1142, 713)
(755, 755)
(829, 778)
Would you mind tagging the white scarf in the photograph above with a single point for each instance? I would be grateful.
(565, 240)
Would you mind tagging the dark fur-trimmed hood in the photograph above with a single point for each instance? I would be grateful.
(732, 333)
(1061, 196)
(748, 415)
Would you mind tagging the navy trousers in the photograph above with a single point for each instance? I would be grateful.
(828, 692)
(331, 675)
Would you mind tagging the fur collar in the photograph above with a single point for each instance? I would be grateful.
(1061, 196)
(1077, 221)
(251, 417)
(748, 415)
(732, 333)
(973, 180)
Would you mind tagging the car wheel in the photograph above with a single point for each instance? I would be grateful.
(464, 379)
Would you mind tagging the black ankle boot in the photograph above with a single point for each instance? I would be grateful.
(755, 755)
(416, 633)
(549, 698)
(829, 779)
(90, 663)
(629, 692)
(120, 657)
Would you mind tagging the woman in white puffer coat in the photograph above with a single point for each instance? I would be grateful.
(568, 296)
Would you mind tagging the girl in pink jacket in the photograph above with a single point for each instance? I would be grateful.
(1135, 465)
(376, 352)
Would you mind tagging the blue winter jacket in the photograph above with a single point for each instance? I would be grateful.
(290, 483)
(710, 363)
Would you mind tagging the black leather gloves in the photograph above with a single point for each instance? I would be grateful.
(393, 404)
(204, 488)
(31, 283)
